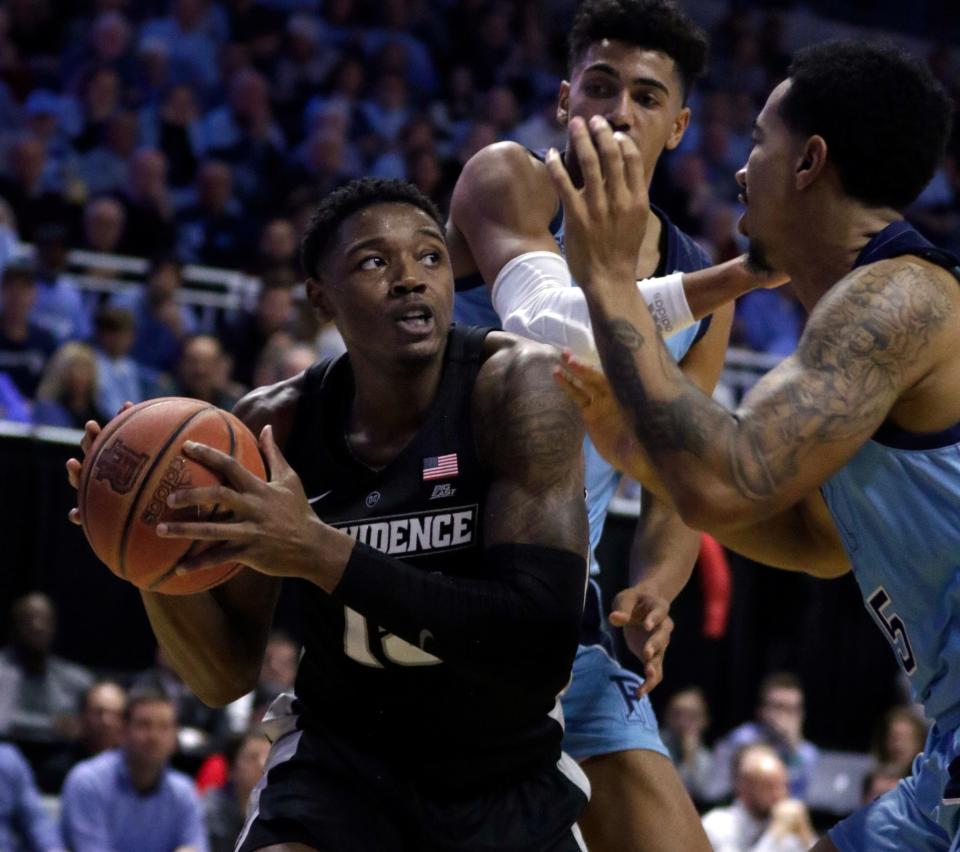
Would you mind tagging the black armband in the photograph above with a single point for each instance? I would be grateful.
(525, 612)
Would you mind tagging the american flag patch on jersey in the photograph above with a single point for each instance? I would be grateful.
(440, 467)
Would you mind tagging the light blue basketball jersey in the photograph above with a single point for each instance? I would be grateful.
(678, 253)
(896, 505)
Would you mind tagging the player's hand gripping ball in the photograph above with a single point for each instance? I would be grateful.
(132, 467)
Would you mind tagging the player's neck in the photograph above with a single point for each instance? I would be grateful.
(830, 247)
(390, 405)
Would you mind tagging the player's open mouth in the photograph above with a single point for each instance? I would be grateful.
(415, 320)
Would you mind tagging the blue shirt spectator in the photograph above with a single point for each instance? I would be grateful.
(103, 810)
(129, 799)
(12, 404)
(161, 322)
(24, 825)
(24, 346)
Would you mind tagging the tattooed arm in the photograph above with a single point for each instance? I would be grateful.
(871, 337)
(868, 340)
(533, 438)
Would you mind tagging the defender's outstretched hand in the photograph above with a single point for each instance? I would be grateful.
(604, 221)
(647, 625)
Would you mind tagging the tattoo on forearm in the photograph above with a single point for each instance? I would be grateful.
(849, 369)
(677, 424)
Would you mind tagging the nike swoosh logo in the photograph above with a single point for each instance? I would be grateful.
(319, 497)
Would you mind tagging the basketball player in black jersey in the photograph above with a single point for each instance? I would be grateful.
(432, 511)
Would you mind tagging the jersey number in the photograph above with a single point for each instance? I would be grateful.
(895, 629)
(359, 642)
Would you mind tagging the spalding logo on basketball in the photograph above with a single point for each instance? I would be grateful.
(119, 465)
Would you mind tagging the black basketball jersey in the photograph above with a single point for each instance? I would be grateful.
(451, 726)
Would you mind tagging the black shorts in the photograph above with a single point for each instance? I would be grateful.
(324, 792)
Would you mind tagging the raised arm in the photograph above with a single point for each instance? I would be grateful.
(500, 218)
(874, 335)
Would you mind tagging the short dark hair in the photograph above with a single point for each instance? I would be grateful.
(110, 318)
(884, 116)
(651, 24)
(347, 200)
(146, 693)
(779, 680)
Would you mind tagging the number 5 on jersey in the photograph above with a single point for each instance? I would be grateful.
(357, 644)
(894, 627)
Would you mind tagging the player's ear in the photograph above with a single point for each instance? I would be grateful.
(680, 125)
(811, 161)
(563, 103)
(319, 298)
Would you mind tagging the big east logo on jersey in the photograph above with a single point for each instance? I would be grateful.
(417, 533)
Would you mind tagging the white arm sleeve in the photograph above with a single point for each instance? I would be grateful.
(535, 298)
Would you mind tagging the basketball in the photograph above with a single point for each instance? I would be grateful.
(134, 464)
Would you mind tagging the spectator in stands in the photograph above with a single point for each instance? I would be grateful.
(174, 128)
(200, 726)
(150, 226)
(244, 134)
(39, 692)
(191, 42)
(302, 69)
(322, 163)
(13, 407)
(24, 824)
(105, 167)
(121, 377)
(225, 807)
(60, 307)
(779, 725)
(684, 723)
(129, 799)
(278, 249)
(212, 231)
(879, 780)
(31, 189)
(101, 728)
(104, 222)
(24, 346)
(100, 99)
(282, 358)
(762, 817)
(203, 372)
(245, 337)
(899, 738)
(68, 392)
(162, 322)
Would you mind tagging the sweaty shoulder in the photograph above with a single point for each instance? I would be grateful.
(898, 320)
(522, 419)
(274, 404)
(505, 179)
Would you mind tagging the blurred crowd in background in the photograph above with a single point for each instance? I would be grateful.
(143, 743)
(199, 132)
(192, 132)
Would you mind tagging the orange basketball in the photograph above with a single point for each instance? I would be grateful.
(133, 465)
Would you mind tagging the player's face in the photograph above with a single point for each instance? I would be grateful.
(388, 284)
(638, 91)
(767, 181)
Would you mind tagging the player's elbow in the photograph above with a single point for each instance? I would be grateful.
(225, 688)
